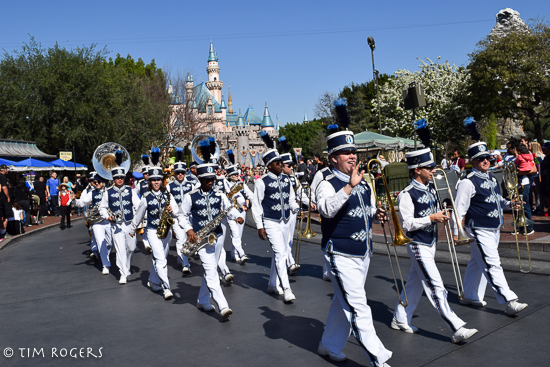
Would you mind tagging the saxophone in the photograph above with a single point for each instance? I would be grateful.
(206, 235)
(166, 221)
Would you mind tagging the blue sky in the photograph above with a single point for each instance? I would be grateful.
(285, 52)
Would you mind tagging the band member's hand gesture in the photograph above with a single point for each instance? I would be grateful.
(239, 220)
(111, 219)
(191, 236)
(262, 234)
(169, 209)
(356, 177)
(381, 215)
(313, 207)
(440, 217)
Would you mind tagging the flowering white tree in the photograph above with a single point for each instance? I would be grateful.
(444, 86)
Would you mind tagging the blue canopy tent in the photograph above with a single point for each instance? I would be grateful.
(31, 164)
(62, 165)
(7, 162)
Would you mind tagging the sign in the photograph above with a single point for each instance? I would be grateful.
(503, 146)
(65, 155)
(297, 151)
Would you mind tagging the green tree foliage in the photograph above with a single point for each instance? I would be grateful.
(489, 132)
(510, 77)
(363, 113)
(301, 135)
(444, 86)
(62, 98)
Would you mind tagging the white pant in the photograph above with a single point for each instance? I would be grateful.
(159, 247)
(277, 235)
(181, 238)
(125, 246)
(349, 311)
(424, 276)
(93, 242)
(236, 236)
(220, 250)
(144, 238)
(103, 238)
(291, 228)
(210, 286)
(484, 266)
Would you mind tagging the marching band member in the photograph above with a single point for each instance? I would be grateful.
(153, 203)
(273, 201)
(94, 254)
(344, 202)
(140, 188)
(191, 176)
(480, 204)
(178, 188)
(420, 212)
(102, 230)
(200, 207)
(236, 231)
(118, 206)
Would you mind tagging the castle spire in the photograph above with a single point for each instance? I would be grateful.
(230, 102)
(212, 54)
(305, 116)
(267, 122)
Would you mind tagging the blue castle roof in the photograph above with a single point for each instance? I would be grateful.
(251, 117)
(240, 122)
(267, 122)
(232, 119)
(201, 94)
(212, 56)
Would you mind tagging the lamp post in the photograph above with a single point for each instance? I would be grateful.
(375, 74)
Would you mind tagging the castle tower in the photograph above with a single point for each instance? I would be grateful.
(189, 87)
(305, 117)
(230, 102)
(267, 122)
(214, 84)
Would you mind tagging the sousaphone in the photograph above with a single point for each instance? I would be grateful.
(104, 159)
(196, 152)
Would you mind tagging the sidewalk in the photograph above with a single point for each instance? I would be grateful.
(49, 222)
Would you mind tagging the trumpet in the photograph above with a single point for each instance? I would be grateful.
(511, 182)
(463, 238)
(399, 239)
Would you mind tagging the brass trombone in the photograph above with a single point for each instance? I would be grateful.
(299, 231)
(399, 239)
(308, 233)
(510, 178)
(463, 238)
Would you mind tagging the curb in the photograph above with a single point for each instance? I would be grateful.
(18, 238)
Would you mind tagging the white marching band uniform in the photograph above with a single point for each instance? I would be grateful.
(122, 202)
(140, 188)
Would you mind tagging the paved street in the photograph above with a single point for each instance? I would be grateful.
(53, 298)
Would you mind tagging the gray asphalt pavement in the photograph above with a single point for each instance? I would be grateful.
(54, 301)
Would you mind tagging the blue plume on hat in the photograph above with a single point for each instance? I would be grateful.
(204, 146)
(332, 129)
(423, 132)
(145, 159)
(471, 127)
(118, 157)
(342, 115)
(267, 139)
(155, 156)
(231, 156)
(285, 147)
(179, 154)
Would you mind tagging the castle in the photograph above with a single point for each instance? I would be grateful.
(206, 104)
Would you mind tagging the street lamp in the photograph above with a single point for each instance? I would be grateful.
(375, 74)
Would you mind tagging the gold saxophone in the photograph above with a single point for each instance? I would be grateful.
(166, 221)
(206, 236)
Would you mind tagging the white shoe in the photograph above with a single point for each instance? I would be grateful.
(186, 270)
(403, 327)
(236, 259)
(228, 278)
(293, 269)
(326, 278)
(205, 306)
(473, 302)
(276, 290)
(289, 296)
(243, 259)
(333, 356)
(226, 312)
(168, 294)
(462, 334)
(105, 270)
(530, 233)
(514, 307)
(154, 287)
(122, 280)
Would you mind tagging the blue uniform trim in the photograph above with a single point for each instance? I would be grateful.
(485, 205)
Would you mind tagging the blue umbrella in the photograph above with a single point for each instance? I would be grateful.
(32, 164)
(67, 164)
(7, 162)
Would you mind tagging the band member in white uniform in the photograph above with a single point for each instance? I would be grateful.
(273, 201)
(153, 204)
(140, 188)
(344, 202)
(236, 231)
(419, 210)
(94, 254)
(480, 204)
(118, 206)
(200, 207)
(178, 188)
(101, 230)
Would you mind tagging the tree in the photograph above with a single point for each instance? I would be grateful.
(444, 85)
(324, 108)
(301, 135)
(62, 98)
(510, 77)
